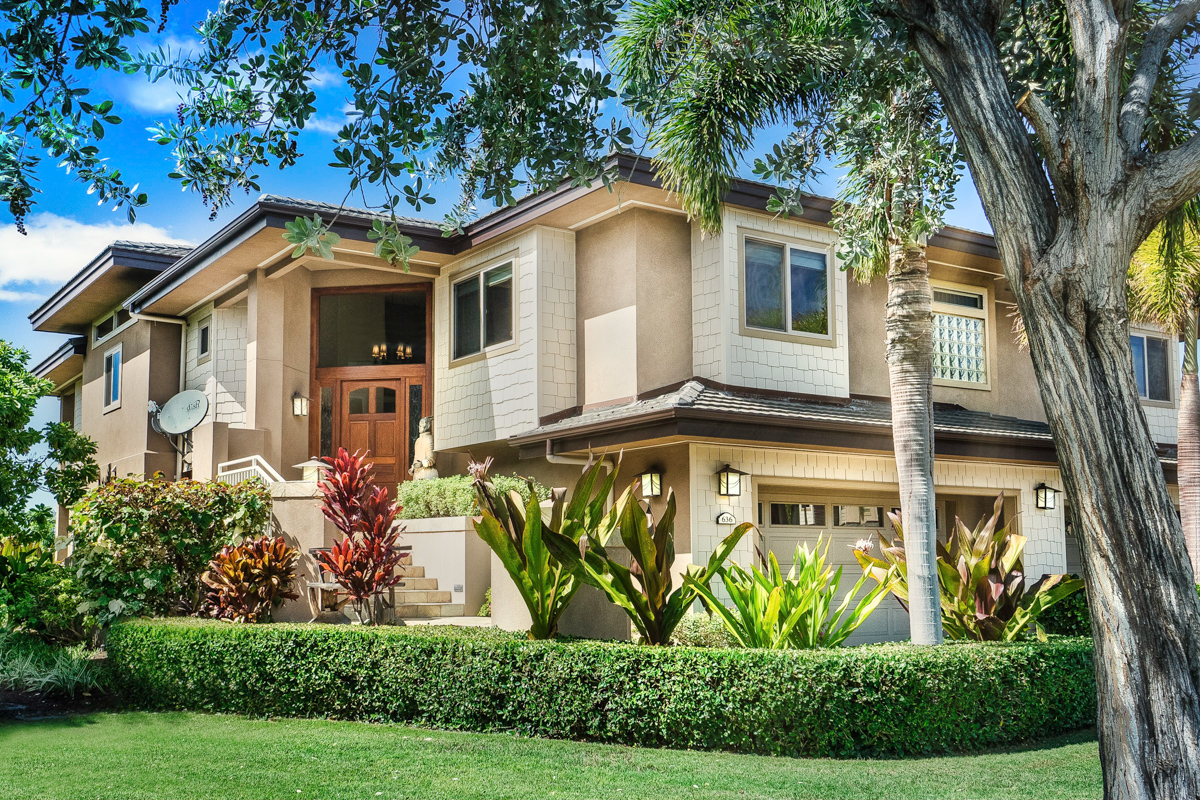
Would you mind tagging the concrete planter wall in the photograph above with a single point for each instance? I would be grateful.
(451, 552)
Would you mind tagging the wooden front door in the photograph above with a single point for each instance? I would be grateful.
(374, 421)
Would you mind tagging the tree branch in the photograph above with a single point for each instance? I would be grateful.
(1158, 39)
(1171, 179)
(1034, 109)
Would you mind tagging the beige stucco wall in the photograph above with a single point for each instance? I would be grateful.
(634, 307)
(453, 555)
(125, 442)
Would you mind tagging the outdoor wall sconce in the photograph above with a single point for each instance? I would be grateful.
(1044, 496)
(652, 482)
(299, 405)
(729, 482)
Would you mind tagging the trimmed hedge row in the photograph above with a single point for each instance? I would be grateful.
(877, 700)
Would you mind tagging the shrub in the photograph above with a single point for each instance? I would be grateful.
(518, 537)
(454, 496)
(778, 612)
(702, 630)
(644, 589)
(246, 582)
(874, 700)
(1069, 617)
(39, 596)
(485, 610)
(141, 545)
(28, 664)
(364, 563)
(981, 577)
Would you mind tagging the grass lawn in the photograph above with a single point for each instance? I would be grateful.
(143, 755)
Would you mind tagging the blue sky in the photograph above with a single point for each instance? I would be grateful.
(68, 228)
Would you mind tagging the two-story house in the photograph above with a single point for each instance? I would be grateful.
(579, 320)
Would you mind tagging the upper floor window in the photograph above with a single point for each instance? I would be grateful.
(1151, 366)
(110, 325)
(483, 310)
(960, 336)
(112, 378)
(371, 328)
(204, 339)
(787, 288)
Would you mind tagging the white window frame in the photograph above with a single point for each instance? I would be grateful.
(111, 404)
(989, 329)
(477, 275)
(204, 324)
(97, 339)
(1172, 356)
(787, 335)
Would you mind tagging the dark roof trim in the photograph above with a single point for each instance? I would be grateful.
(75, 346)
(137, 255)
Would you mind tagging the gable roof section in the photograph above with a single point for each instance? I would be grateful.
(109, 278)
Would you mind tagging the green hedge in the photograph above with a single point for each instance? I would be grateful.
(454, 496)
(875, 700)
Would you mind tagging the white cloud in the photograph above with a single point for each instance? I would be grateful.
(330, 125)
(55, 248)
(153, 98)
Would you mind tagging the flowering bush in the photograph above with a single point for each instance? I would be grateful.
(364, 563)
(141, 545)
(245, 583)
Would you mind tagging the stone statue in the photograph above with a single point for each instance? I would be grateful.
(423, 457)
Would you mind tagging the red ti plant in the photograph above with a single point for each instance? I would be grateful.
(364, 563)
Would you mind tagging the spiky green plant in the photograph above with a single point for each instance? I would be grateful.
(797, 610)
(515, 531)
(982, 579)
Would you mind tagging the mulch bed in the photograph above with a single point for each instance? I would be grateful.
(29, 706)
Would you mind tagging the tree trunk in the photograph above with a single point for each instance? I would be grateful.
(909, 318)
(1188, 464)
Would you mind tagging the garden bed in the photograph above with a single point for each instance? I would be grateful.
(882, 700)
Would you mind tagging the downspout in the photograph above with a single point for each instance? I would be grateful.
(580, 461)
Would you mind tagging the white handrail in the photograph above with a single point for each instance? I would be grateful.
(241, 469)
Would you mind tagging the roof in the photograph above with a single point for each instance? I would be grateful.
(64, 363)
(331, 210)
(118, 270)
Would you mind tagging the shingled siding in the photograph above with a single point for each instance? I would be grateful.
(222, 376)
(825, 472)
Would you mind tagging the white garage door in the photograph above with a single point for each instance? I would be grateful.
(791, 520)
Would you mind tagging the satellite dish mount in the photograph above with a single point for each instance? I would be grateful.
(178, 417)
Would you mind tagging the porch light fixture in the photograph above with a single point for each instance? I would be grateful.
(1044, 496)
(729, 482)
(651, 482)
(299, 405)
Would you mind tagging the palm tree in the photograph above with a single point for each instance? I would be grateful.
(718, 86)
(1164, 288)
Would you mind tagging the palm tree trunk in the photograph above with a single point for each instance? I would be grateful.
(1189, 445)
(909, 318)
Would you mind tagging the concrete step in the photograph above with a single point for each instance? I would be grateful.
(418, 584)
(413, 598)
(411, 572)
(427, 610)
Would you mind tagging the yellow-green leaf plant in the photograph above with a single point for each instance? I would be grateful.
(516, 532)
(778, 612)
(645, 589)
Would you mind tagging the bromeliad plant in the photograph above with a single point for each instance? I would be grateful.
(247, 582)
(777, 612)
(364, 562)
(515, 531)
(645, 589)
(982, 579)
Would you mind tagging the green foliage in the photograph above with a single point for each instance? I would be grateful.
(28, 664)
(702, 630)
(141, 545)
(874, 700)
(485, 610)
(513, 527)
(38, 595)
(454, 496)
(1068, 617)
(65, 469)
(643, 590)
(981, 576)
(312, 235)
(247, 582)
(797, 610)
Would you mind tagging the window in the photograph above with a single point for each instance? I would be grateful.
(204, 339)
(787, 288)
(797, 514)
(110, 325)
(858, 516)
(1151, 367)
(483, 310)
(367, 329)
(112, 378)
(960, 336)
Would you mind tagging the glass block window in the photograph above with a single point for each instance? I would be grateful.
(959, 337)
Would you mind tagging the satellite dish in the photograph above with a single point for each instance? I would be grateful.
(182, 412)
